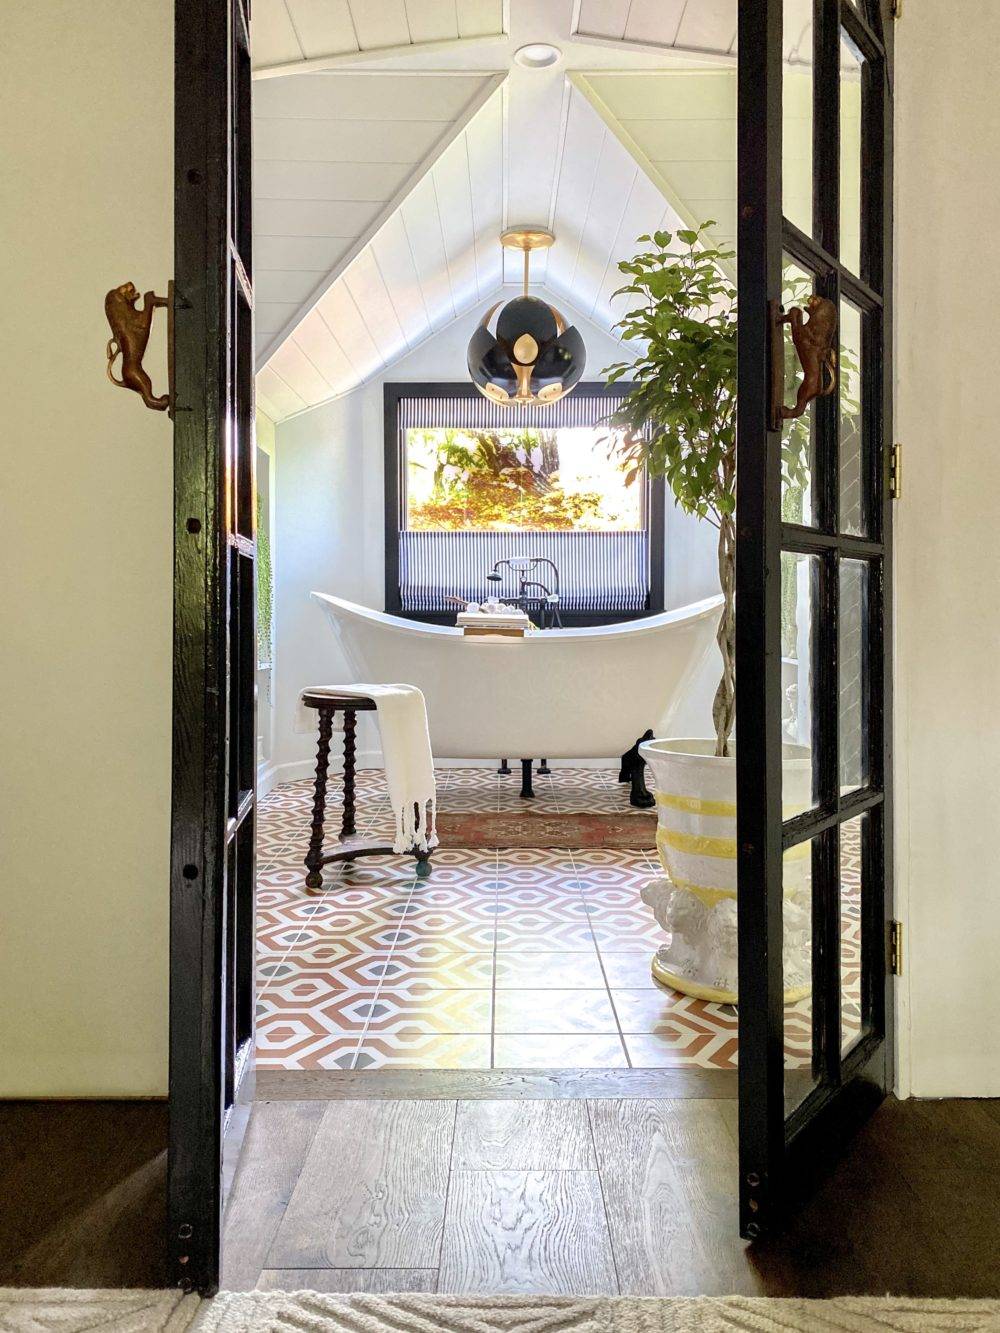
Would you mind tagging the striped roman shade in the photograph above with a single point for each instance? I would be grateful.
(604, 573)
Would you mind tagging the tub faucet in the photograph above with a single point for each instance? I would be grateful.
(544, 601)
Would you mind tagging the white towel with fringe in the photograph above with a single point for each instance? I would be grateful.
(409, 764)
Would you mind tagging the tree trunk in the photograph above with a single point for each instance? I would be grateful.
(724, 706)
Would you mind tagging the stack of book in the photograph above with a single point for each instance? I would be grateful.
(505, 621)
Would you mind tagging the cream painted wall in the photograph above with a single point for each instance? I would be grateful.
(947, 524)
(86, 142)
(330, 532)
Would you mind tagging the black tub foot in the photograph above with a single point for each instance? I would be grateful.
(527, 791)
(544, 769)
(633, 770)
(504, 768)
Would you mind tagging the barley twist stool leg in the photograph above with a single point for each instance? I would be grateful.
(314, 856)
(347, 827)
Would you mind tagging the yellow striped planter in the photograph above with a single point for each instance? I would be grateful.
(696, 841)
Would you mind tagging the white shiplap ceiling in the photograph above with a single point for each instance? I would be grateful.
(384, 180)
(334, 155)
(290, 31)
(689, 25)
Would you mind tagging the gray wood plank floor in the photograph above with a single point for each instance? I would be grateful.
(567, 1196)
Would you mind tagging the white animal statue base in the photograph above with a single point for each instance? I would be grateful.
(699, 957)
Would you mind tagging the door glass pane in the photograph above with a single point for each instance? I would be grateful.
(852, 444)
(798, 439)
(850, 932)
(853, 653)
(797, 968)
(799, 576)
(850, 154)
(796, 114)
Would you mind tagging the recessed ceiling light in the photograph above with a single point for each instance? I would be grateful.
(537, 55)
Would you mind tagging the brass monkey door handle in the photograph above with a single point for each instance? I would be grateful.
(130, 330)
(813, 332)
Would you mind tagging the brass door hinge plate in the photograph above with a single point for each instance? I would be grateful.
(896, 948)
(896, 472)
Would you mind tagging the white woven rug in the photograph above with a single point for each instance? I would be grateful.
(27, 1311)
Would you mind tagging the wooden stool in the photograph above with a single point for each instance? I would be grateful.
(350, 846)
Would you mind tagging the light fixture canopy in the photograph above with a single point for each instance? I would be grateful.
(530, 356)
(537, 55)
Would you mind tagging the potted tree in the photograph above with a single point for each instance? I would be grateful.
(679, 421)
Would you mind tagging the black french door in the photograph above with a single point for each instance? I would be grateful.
(214, 711)
(813, 639)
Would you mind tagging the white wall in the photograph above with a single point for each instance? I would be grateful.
(947, 524)
(330, 533)
(86, 141)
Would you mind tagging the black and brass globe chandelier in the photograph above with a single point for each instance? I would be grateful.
(530, 356)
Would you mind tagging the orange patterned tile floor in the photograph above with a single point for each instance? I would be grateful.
(528, 958)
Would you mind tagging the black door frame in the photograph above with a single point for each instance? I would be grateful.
(214, 724)
(775, 1148)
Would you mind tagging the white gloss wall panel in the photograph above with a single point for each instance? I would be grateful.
(392, 252)
(293, 139)
(423, 229)
(341, 314)
(656, 21)
(295, 368)
(279, 399)
(709, 25)
(604, 18)
(324, 27)
(367, 288)
(362, 182)
(298, 254)
(381, 24)
(320, 344)
(347, 96)
(432, 20)
(272, 34)
(479, 18)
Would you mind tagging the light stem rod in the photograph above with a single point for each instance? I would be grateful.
(527, 263)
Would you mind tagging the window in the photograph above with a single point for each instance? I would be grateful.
(469, 483)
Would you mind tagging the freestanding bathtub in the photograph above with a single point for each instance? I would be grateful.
(559, 693)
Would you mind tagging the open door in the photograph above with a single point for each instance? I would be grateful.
(214, 715)
(813, 569)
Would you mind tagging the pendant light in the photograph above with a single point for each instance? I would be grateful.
(530, 356)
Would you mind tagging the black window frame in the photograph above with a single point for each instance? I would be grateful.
(393, 493)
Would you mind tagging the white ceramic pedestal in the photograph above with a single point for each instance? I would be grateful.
(696, 842)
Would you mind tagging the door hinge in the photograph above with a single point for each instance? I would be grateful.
(896, 472)
(896, 948)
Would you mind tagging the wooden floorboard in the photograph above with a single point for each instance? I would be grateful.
(372, 1191)
(277, 1141)
(375, 1280)
(523, 1136)
(527, 1231)
(83, 1194)
(492, 1084)
(668, 1169)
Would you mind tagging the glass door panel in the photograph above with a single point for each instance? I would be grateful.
(813, 596)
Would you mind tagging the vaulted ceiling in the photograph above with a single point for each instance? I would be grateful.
(395, 141)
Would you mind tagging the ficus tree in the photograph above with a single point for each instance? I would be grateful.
(678, 420)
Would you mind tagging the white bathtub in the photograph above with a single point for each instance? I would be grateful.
(558, 694)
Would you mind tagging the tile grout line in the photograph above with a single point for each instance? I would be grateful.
(607, 986)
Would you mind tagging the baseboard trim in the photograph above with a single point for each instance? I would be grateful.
(491, 1084)
(297, 769)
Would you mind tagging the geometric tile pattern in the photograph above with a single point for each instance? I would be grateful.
(520, 958)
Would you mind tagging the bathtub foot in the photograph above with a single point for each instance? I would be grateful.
(504, 768)
(633, 770)
(527, 791)
(543, 768)
(423, 866)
